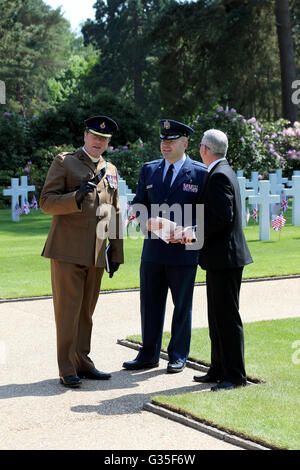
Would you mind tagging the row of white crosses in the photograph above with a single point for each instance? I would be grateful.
(266, 193)
(262, 193)
(16, 191)
(125, 196)
(21, 190)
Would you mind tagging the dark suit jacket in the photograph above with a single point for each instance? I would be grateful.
(184, 191)
(224, 241)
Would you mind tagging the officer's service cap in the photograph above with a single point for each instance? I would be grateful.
(101, 125)
(171, 130)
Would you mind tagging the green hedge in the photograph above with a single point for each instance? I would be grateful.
(28, 146)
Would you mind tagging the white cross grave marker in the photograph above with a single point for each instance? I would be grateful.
(280, 179)
(295, 192)
(264, 199)
(253, 183)
(125, 196)
(15, 192)
(275, 188)
(289, 183)
(244, 194)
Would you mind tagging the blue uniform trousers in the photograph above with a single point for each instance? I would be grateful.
(155, 279)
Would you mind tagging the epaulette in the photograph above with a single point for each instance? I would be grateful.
(195, 162)
(152, 162)
(61, 156)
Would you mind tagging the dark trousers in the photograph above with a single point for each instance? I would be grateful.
(155, 279)
(225, 324)
(75, 294)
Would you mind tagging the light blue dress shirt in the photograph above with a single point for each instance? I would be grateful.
(177, 166)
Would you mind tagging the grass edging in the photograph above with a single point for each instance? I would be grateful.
(212, 429)
(202, 425)
(137, 289)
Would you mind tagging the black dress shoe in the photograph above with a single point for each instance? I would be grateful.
(136, 365)
(72, 381)
(207, 378)
(174, 367)
(226, 385)
(93, 374)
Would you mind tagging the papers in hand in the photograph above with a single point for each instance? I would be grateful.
(167, 228)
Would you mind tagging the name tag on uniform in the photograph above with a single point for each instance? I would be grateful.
(191, 188)
(112, 181)
(149, 186)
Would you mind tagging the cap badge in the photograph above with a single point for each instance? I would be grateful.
(167, 125)
(102, 125)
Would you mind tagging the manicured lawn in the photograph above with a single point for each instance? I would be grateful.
(25, 273)
(268, 412)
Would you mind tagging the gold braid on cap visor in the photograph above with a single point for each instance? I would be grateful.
(99, 133)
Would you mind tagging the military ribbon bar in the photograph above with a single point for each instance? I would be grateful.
(191, 188)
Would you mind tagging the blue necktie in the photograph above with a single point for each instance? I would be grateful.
(168, 177)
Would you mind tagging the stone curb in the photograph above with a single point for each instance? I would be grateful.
(137, 289)
(212, 431)
(163, 355)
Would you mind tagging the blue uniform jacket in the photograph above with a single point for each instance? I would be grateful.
(185, 190)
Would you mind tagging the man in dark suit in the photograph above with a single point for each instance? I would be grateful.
(172, 182)
(223, 256)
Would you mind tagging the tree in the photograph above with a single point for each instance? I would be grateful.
(34, 43)
(221, 51)
(128, 59)
(287, 63)
(72, 78)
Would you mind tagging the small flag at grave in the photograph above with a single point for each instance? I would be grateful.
(34, 204)
(17, 210)
(285, 204)
(131, 220)
(254, 213)
(278, 222)
(26, 208)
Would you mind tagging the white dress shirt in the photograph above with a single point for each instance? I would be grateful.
(94, 160)
(210, 167)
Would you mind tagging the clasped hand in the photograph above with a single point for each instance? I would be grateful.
(183, 235)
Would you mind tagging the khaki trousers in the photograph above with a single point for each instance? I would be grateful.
(75, 293)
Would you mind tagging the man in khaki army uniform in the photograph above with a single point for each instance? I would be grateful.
(85, 214)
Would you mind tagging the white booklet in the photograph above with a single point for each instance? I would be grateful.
(167, 227)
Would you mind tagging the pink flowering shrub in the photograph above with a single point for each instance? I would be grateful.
(253, 145)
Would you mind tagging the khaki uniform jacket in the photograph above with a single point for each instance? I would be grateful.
(72, 237)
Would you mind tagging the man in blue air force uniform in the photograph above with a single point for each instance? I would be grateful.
(173, 180)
